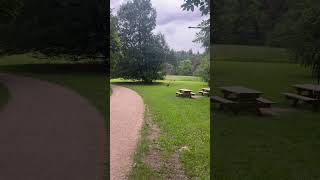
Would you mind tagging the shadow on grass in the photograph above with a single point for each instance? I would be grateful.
(92, 68)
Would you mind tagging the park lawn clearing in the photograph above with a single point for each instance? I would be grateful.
(184, 124)
(182, 78)
(228, 52)
(247, 146)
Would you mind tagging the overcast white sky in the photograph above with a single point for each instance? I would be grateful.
(174, 23)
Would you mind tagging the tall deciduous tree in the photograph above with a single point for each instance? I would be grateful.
(144, 52)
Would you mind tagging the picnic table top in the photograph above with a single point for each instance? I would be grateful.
(206, 89)
(185, 90)
(240, 90)
(309, 87)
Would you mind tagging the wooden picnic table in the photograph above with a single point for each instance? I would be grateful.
(313, 90)
(239, 97)
(206, 89)
(186, 92)
(240, 93)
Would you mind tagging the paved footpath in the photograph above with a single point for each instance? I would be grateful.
(48, 132)
(126, 118)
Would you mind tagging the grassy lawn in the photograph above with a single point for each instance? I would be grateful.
(88, 79)
(182, 78)
(246, 146)
(183, 122)
(249, 53)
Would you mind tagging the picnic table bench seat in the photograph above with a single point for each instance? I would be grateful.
(223, 102)
(296, 98)
(265, 102)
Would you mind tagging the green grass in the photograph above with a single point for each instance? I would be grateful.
(182, 78)
(88, 79)
(4, 96)
(251, 147)
(249, 53)
(183, 122)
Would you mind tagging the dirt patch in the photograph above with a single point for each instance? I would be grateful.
(169, 168)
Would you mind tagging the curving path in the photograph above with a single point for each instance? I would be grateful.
(126, 118)
(49, 132)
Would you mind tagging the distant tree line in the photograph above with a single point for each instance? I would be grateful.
(291, 24)
(184, 63)
(74, 29)
(139, 54)
(254, 22)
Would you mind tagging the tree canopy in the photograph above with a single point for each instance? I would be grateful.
(9, 9)
(143, 52)
(72, 28)
(204, 6)
(302, 38)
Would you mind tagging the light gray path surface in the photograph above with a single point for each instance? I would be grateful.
(126, 118)
(48, 132)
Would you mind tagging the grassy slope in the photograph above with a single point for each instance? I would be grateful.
(183, 122)
(251, 147)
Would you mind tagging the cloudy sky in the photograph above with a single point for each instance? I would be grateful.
(174, 23)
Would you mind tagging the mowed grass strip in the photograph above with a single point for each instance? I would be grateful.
(182, 78)
(183, 122)
(247, 146)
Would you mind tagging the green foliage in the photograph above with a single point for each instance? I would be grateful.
(300, 33)
(306, 45)
(144, 53)
(115, 44)
(185, 68)
(203, 70)
(246, 22)
(71, 28)
(204, 6)
(9, 9)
